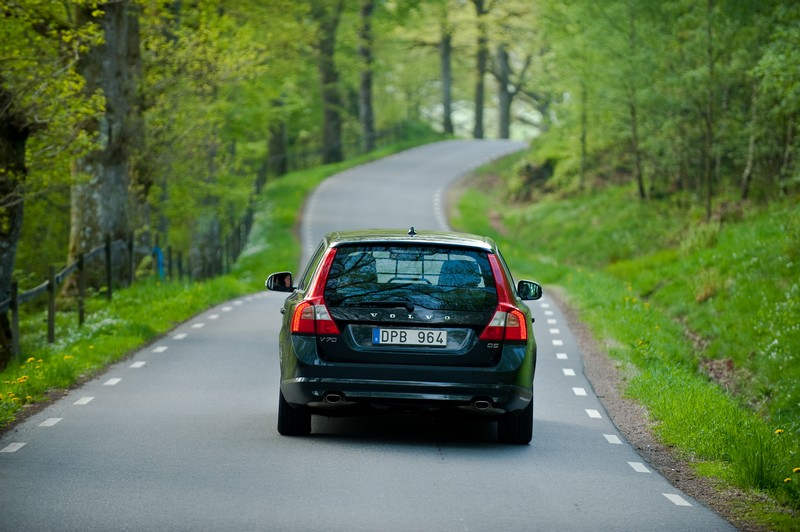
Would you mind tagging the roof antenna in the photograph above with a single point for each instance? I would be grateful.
(412, 231)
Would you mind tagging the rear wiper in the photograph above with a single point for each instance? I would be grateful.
(387, 304)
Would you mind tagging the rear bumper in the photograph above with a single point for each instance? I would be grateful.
(332, 394)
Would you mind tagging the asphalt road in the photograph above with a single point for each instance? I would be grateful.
(182, 435)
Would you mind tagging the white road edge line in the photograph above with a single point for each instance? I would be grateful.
(561, 356)
(159, 349)
(613, 439)
(83, 401)
(112, 382)
(558, 343)
(579, 391)
(12, 447)
(137, 365)
(568, 372)
(49, 422)
(594, 414)
(639, 467)
(180, 336)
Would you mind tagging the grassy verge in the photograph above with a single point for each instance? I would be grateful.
(703, 315)
(140, 314)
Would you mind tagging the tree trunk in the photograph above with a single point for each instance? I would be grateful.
(482, 57)
(504, 95)
(445, 56)
(584, 134)
(14, 134)
(328, 20)
(277, 151)
(709, 111)
(365, 111)
(633, 107)
(747, 174)
(101, 204)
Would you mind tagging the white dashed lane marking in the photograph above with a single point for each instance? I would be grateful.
(676, 499)
(612, 439)
(49, 422)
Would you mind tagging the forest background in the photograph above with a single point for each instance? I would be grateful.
(165, 120)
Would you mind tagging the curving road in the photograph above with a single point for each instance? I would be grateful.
(182, 435)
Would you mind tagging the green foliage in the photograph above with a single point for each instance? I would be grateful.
(676, 89)
(702, 316)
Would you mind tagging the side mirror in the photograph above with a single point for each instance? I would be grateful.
(528, 290)
(280, 282)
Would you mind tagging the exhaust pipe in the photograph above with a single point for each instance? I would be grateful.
(333, 398)
(481, 404)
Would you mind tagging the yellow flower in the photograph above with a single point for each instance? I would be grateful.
(787, 480)
(796, 470)
(778, 431)
(28, 398)
(31, 359)
(68, 357)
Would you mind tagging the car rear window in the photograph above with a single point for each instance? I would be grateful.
(433, 277)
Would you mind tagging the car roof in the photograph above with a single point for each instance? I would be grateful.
(410, 236)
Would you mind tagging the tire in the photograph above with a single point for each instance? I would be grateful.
(292, 421)
(517, 428)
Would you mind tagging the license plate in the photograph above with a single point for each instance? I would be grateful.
(422, 337)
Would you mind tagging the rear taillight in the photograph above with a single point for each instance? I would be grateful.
(312, 317)
(508, 323)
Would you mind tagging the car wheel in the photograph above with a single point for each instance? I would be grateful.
(292, 421)
(517, 428)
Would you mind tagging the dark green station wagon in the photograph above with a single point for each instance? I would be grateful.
(398, 321)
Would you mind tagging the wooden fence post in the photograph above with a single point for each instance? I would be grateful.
(51, 306)
(109, 281)
(15, 321)
(169, 262)
(131, 261)
(81, 290)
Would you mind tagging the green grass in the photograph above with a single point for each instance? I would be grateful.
(142, 313)
(676, 296)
